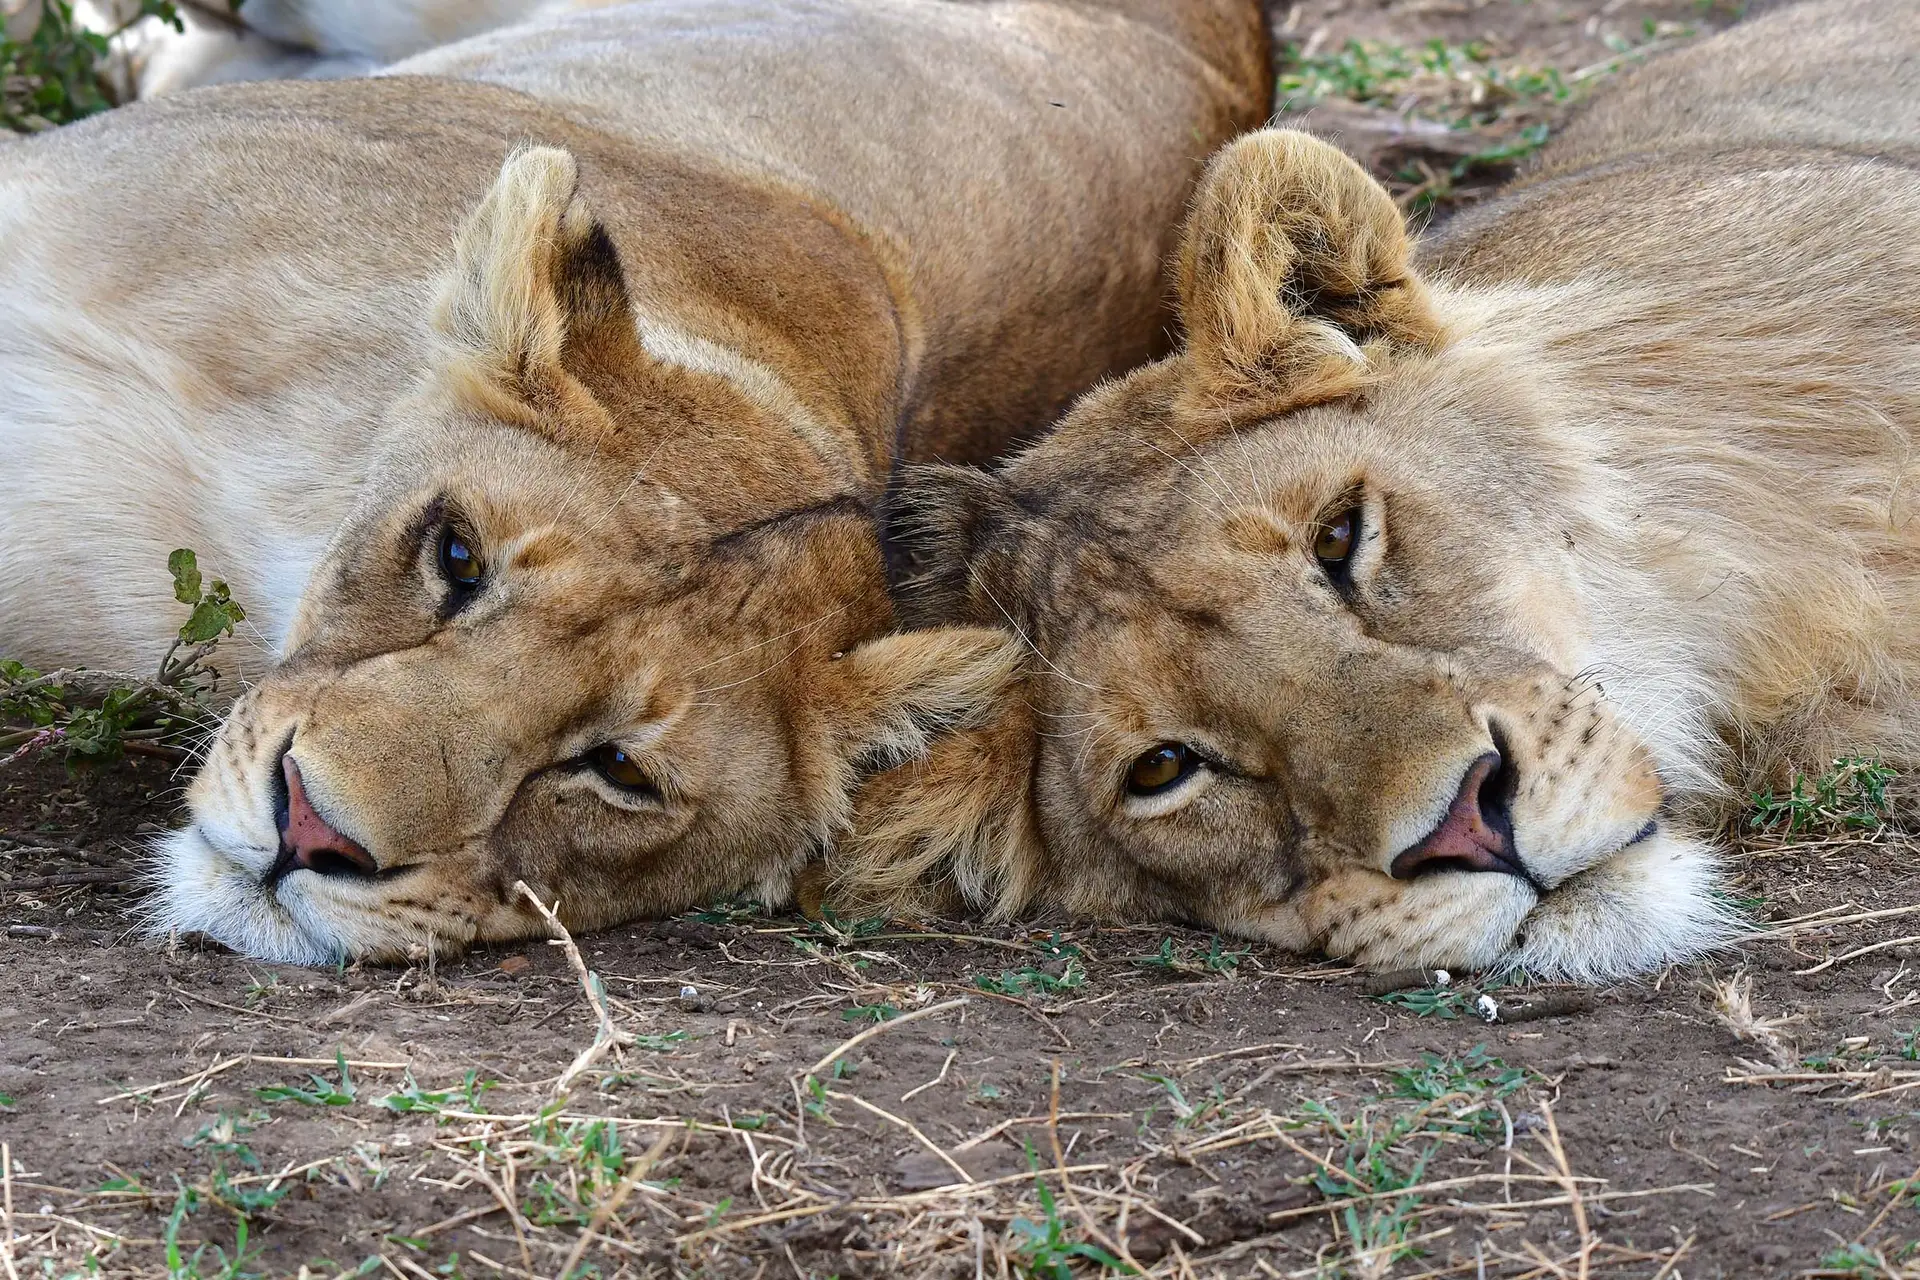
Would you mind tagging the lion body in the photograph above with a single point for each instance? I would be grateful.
(1626, 464)
(208, 304)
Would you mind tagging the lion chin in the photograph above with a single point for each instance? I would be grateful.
(1649, 905)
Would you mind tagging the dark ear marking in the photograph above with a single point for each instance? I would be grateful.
(590, 282)
(942, 521)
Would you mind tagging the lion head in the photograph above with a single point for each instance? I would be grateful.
(1308, 660)
(602, 622)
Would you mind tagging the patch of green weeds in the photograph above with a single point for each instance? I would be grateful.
(1856, 1260)
(1189, 1115)
(222, 1136)
(1430, 188)
(323, 1093)
(1217, 960)
(660, 1043)
(1460, 85)
(870, 1012)
(816, 1101)
(728, 911)
(1065, 973)
(92, 718)
(1850, 796)
(1430, 1002)
(575, 1166)
(51, 71)
(1372, 1165)
(410, 1098)
(1044, 1251)
(1471, 1082)
(208, 1261)
(838, 932)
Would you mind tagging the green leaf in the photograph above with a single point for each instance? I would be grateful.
(185, 568)
(214, 615)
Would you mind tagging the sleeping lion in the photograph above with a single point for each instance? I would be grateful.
(1430, 608)
(536, 399)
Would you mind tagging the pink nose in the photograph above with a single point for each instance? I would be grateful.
(308, 841)
(1476, 834)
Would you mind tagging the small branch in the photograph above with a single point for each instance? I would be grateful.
(67, 880)
(61, 933)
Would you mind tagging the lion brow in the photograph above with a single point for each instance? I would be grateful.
(847, 504)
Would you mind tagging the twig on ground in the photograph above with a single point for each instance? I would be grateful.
(69, 880)
(1066, 1184)
(1555, 1005)
(1857, 952)
(61, 933)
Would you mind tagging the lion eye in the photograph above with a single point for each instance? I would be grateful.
(1161, 769)
(459, 563)
(1333, 546)
(617, 767)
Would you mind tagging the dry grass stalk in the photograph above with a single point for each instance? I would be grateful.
(1733, 1006)
(1857, 952)
(940, 1079)
(606, 1036)
(6, 1210)
(908, 1125)
(1559, 1154)
(611, 1205)
(853, 1042)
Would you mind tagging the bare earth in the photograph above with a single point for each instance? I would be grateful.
(1045, 1101)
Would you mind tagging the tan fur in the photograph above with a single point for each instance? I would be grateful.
(1635, 453)
(644, 304)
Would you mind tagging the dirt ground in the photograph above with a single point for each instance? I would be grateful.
(774, 1097)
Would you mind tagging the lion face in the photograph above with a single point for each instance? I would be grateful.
(1310, 659)
(530, 656)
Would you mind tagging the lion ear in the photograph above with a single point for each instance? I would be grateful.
(1295, 277)
(953, 831)
(536, 299)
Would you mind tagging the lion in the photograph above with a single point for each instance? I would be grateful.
(289, 39)
(1433, 608)
(552, 483)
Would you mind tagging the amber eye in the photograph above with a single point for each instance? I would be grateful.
(459, 562)
(617, 767)
(1334, 544)
(1161, 769)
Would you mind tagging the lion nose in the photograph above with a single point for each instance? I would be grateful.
(1476, 834)
(309, 842)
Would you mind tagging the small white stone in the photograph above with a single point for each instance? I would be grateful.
(1441, 978)
(1488, 1007)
